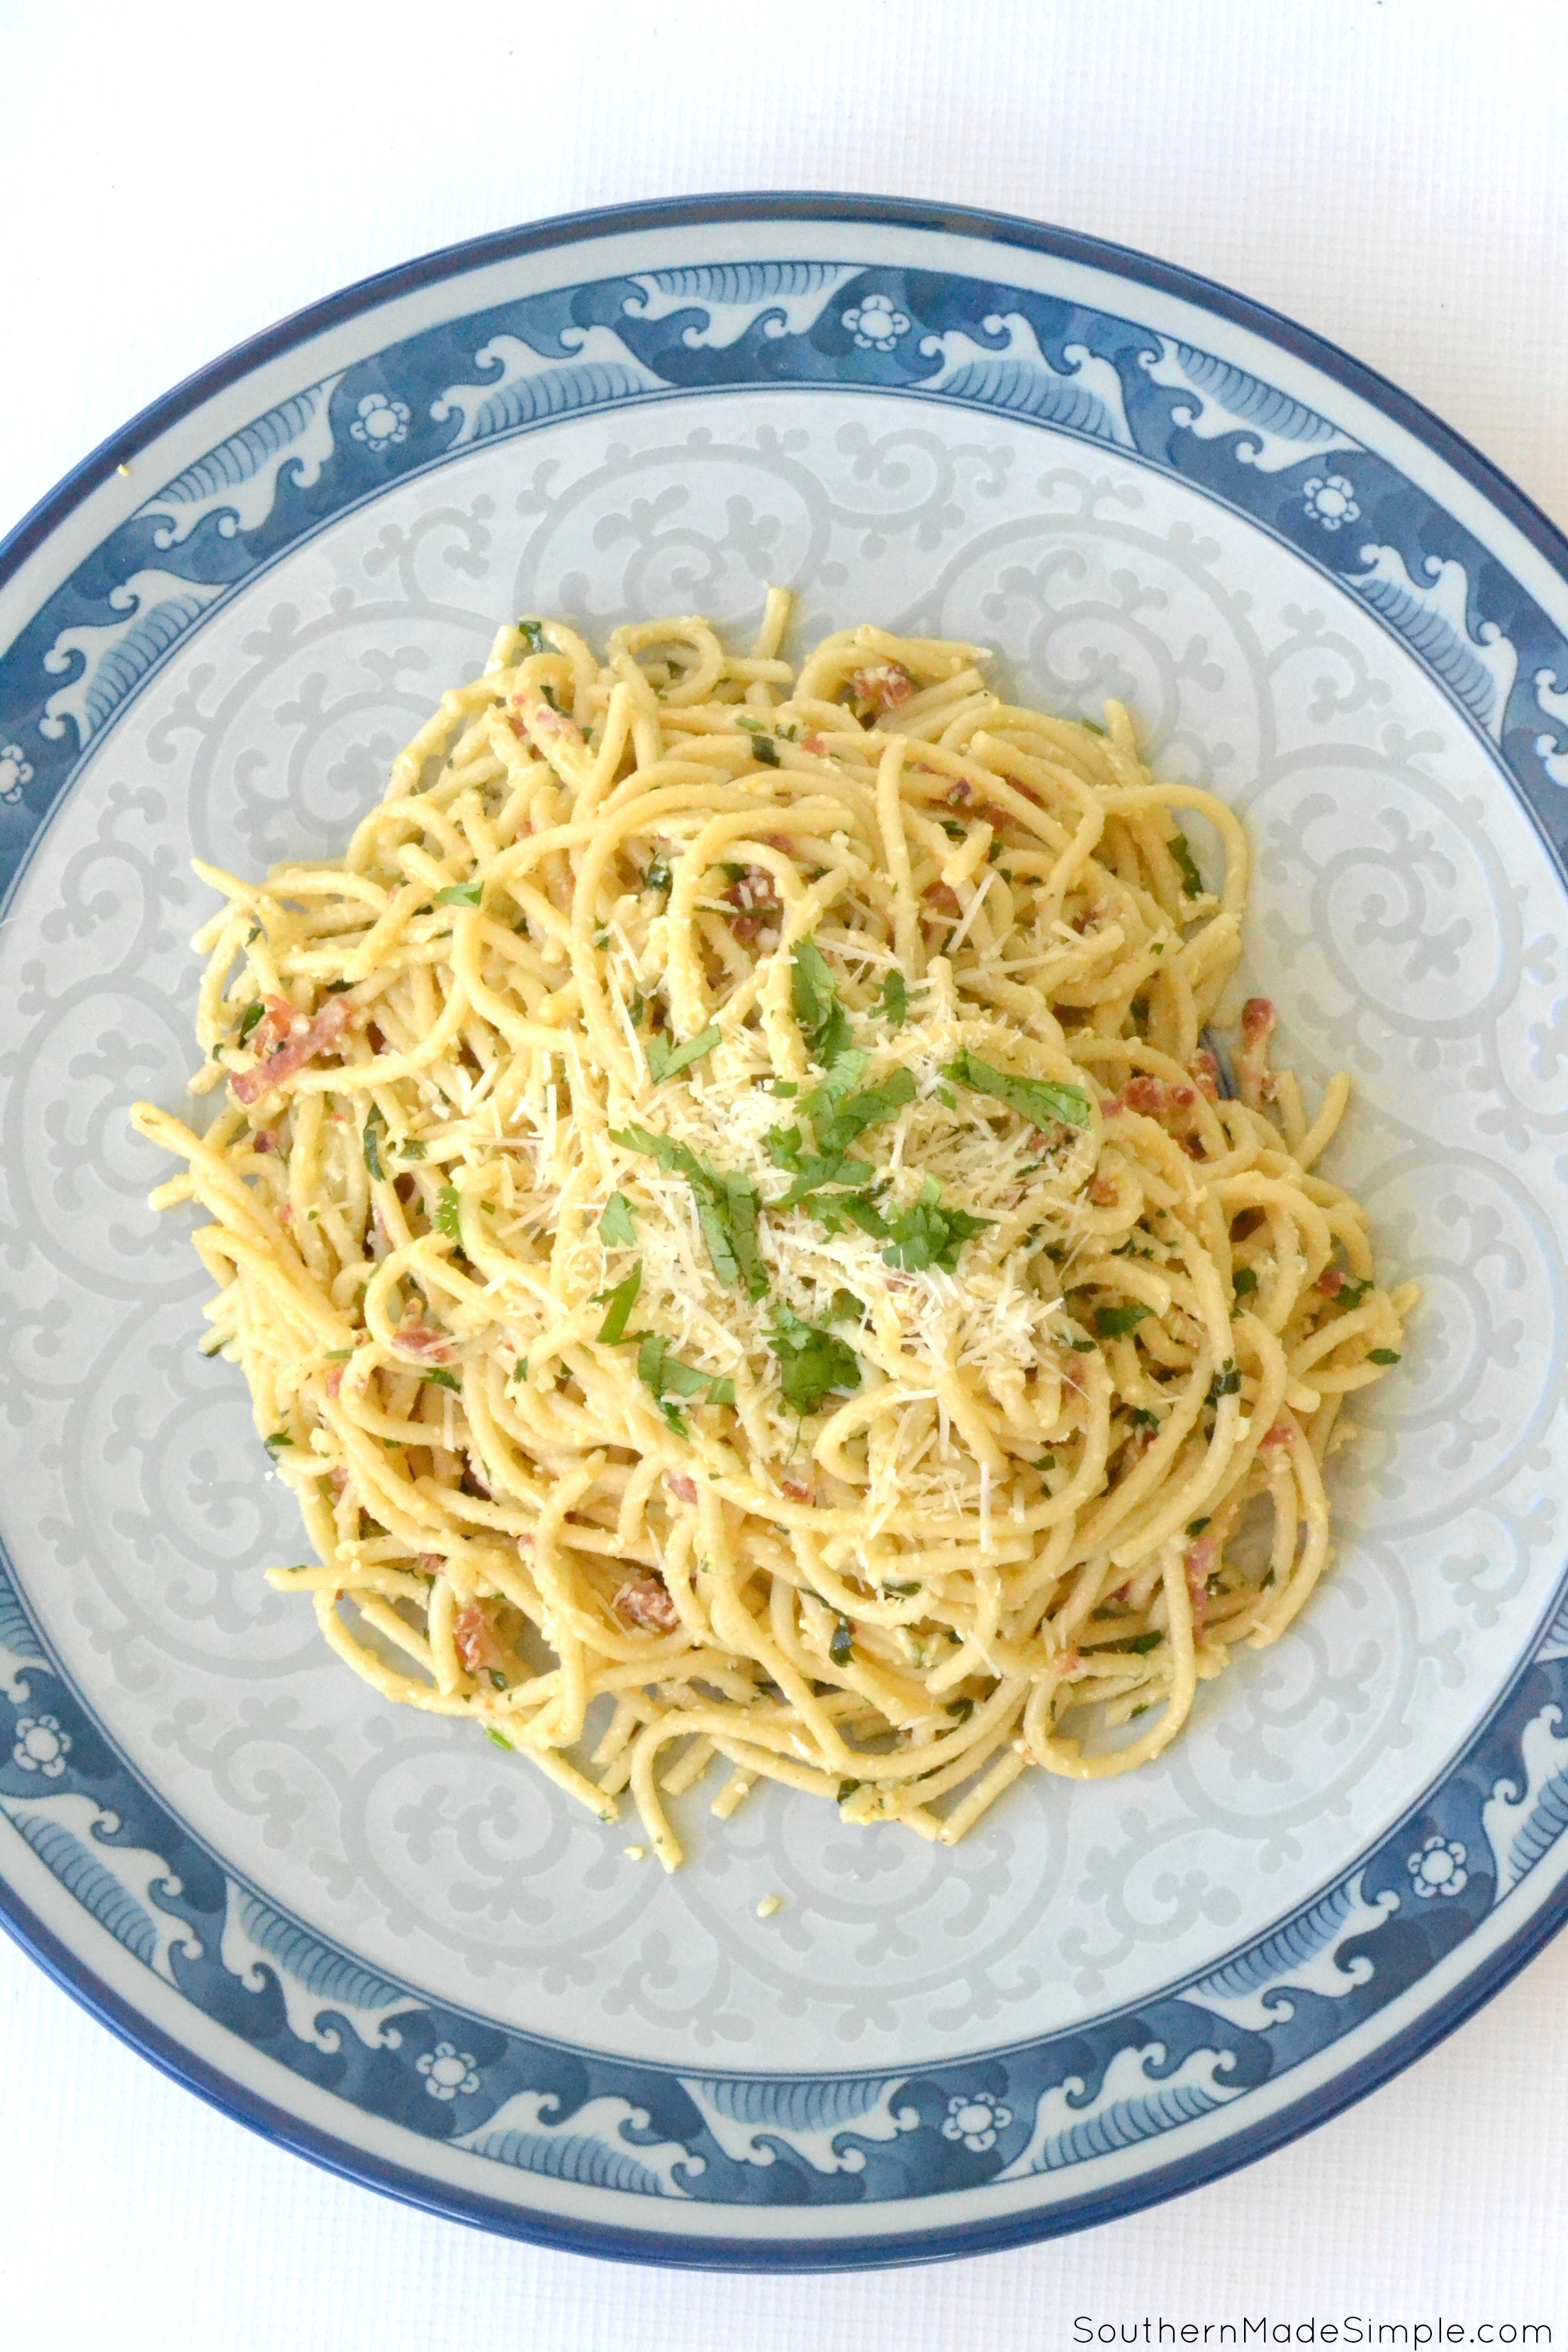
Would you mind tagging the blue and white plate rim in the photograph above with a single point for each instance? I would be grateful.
(1451, 1992)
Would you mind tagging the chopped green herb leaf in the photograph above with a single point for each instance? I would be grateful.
(927, 1235)
(767, 751)
(903, 1590)
(449, 1212)
(520, 1370)
(658, 877)
(961, 1709)
(443, 1380)
(845, 1308)
(894, 1003)
(249, 1019)
(1119, 1322)
(1082, 1346)
(532, 636)
(1196, 1526)
(279, 1439)
(619, 1302)
(339, 1355)
(1142, 1643)
(410, 1147)
(824, 1024)
(666, 1060)
(1187, 865)
(1245, 1282)
(374, 1131)
(461, 894)
(847, 1789)
(1042, 1101)
(1351, 1294)
(1045, 1462)
(1382, 1355)
(727, 1207)
(615, 1228)
(841, 1649)
(499, 1737)
(1142, 1418)
(811, 1362)
(1225, 1382)
(784, 1087)
(253, 933)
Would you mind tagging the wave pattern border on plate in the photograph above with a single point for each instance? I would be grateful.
(570, 2114)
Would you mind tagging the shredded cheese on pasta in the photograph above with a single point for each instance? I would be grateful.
(744, 1244)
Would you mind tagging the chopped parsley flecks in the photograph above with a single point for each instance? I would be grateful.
(1044, 1102)
(665, 1061)
(1192, 883)
(812, 1363)
(374, 1136)
(824, 1024)
(619, 1304)
(1121, 1322)
(616, 1230)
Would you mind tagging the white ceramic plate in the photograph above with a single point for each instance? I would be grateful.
(370, 1934)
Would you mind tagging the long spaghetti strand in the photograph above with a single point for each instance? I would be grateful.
(747, 1244)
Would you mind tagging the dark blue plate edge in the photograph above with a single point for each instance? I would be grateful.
(606, 2241)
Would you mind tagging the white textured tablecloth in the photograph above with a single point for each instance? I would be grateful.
(1391, 172)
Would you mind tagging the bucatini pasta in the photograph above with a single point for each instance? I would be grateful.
(745, 1244)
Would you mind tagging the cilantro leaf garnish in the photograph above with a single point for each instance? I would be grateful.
(1243, 1282)
(1382, 1355)
(1185, 865)
(894, 1005)
(666, 1061)
(1119, 1322)
(619, 1305)
(1225, 1382)
(449, 1214)
(461, 894)
(658, 877)
(764, 749)
(727, 1206)
(1142, 1643)
(374, 1129)
(928, 1234)
(811, 1362)
(444, 1379)
(841, 1649)
(249, 1019)
(666, 1376)
(532, 636)
(1044, 1102)
(824, 1024)
(615, 1228)
(279, 1438)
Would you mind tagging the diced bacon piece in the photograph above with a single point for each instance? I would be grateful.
(284, 1214)
(943, 903)
(1278, 1436)
(431, 1563)
(1151, 1095)
(1102, 1191)
(815, 744)
(646, 1603)
(335, 1379)
(681, 1487)
(996, 818)
(1203, 1559)
(337, 1479)
(799, 1490)
(1258, 1082)
(886, 683)
(959, 793)
(318, 1036)
(475, 1640)
(1331, 1283)
(420, 1343)
(1206, 1074)
(264, 1141)
(756, 908)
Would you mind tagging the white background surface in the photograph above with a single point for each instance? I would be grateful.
(1391, 172)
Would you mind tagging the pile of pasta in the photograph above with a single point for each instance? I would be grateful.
(745, 1239)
